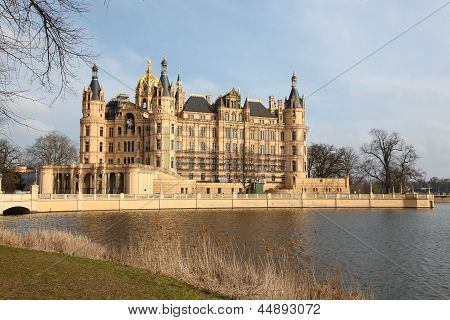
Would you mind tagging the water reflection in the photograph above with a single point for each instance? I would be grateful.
(417, 240)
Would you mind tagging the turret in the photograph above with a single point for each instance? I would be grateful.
(295, 137)
(163, 121)
(294, 100)
(179, 95)
(164, 79)
(93, 94)
(95, 86)
(93, 123)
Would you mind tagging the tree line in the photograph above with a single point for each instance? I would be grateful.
(54, 148)
(386, 162)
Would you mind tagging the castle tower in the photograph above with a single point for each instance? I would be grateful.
(163, 122)
(295, 137)
(93, 123)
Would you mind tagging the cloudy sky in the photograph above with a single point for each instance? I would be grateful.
(256, 45)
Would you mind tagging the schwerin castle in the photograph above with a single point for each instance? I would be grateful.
(165, 143)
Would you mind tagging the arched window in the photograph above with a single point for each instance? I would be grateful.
(233, 116)
(240, 117)
(226, 116)
(144, 104)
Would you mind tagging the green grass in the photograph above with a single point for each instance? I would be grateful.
(30, 274)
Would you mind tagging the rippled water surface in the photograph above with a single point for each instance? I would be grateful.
(400, 254)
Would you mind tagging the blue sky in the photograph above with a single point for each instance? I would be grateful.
(255, 45)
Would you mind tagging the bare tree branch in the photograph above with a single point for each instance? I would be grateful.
(40, 41)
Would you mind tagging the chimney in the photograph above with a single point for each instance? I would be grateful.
(272, 104)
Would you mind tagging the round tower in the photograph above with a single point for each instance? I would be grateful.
(295, 137)
(93, 123)
(163, 122)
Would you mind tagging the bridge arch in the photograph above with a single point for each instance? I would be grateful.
(16, 210)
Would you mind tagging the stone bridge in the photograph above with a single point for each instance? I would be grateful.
(16, 203)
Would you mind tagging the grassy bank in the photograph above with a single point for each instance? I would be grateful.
(205, 262)
(24, 275)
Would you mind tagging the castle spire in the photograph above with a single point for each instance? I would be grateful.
(164, 79)
(294, 97)
(95, 86)
(294, 80)
(179, 78)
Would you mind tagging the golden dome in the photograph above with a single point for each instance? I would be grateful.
(148, 78)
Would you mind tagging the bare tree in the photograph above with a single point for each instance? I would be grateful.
(39, 42)
(389, 160)
(9, 159)
(350, 166)
(245, 167)
(53, 148)
(325, 161)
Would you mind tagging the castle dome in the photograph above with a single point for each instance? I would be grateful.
(148, 78)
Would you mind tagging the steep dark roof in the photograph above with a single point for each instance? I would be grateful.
(294, 97)
(257, 109)
(95, 88)
(197, 104)
(294, 100)
(165, 85)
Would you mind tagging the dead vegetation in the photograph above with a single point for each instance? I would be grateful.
(204, 261)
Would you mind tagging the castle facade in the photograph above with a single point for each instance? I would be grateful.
(163, 138)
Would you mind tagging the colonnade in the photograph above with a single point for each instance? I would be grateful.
(89, 182)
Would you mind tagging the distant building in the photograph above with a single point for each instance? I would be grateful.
(163, 142)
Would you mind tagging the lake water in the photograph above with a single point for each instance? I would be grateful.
(399, 254)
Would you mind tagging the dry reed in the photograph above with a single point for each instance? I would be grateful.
(206, 262)
(54, 241)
